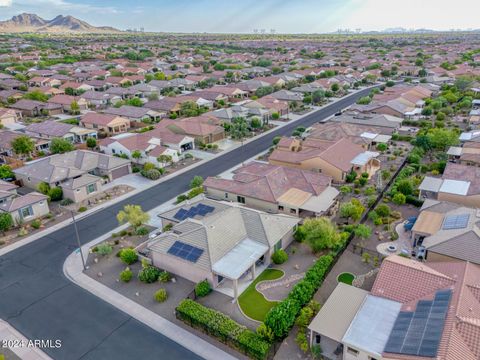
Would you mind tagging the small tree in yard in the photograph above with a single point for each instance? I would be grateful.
(91, 142)
(363, 231)
(23, 145)
(60, 146)
(6, 172)
(136, 155)
(55, 193)
(197, 181)
(134, 215)
(6, 222)
(320, 234)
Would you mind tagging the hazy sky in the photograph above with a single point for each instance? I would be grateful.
(285, 16)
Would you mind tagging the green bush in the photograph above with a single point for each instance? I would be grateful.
(129, 256)
(203, 288)
(195, 192)
(399, 199)
(82, 209)
(410, 199)
(224, 328)
(141, 231)
(126, 275)
(282, 316)
(55, 193)
(164, 276)
(160, 295)
(36, 224)
(148, 166)
(181, 198)
(104, 249)
(149, 274)
(152, 174)
(279, 256)
(66, 202)
(383, 210)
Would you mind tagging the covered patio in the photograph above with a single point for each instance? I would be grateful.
(232, 270)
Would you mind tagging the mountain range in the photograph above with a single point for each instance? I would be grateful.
(60, 24)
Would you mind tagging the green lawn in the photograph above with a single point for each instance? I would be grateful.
(254, 304)
(346, 278)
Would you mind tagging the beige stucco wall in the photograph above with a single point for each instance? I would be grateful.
(436, 257)
(314, 164)
(39, 209)
(470, 201)
(81, 194)
(182, 268)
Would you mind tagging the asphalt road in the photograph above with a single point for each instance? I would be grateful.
(40, 302)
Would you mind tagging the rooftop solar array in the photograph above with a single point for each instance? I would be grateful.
(455, 222)
(200, 210)
(418, 333)
(185, 251)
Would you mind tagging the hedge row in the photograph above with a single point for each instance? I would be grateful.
(224, 328)
(281, 317)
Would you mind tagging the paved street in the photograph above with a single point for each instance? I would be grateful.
(37, 299)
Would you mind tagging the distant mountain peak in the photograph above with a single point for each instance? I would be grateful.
(26, 22)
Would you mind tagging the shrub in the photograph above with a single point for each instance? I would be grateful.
(195, 192)
(279, 256)
(301, 341)
(276, 140)
(203, 288)
(55, 193)
(196, 182)
(104, 249)
(149, 274)
(152, 174)
(160, 295)
(410, 199)
(282, 316)
(36, 224)
(148, 166)
(129, 256)
(345, 189)
(382, 147)
(224, 328)
(82, 209)
(383, 210)
(181, 198)
(6, 221)
(126, 275)
(43, 187)
(399, 199)
(141, 231)
(265, 332)
(351, 176)
(164, 276)
(66, 202)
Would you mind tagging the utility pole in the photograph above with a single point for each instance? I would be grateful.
(77, 236)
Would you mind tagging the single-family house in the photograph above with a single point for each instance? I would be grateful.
(105, 124)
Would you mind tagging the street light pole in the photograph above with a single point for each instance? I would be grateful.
(78, 240)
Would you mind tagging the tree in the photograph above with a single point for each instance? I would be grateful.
(128, 256)
(405, 187)
(60, 146)
(36, 95)
(135, 102)
(239, 128)
(6, 172)
(91, 142)
(318, 96)
(74, 108)
(353, 209)
(363, 231)
(134, 215)
(320, 233)
(197, 181)
(442, 139)
(23, 145)
(136, 154)
(6, 222)
(335, 87)
(255, 123)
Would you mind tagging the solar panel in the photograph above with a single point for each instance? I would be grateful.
(185, 251)
(455, 222)
(179, 215)
(200, 209)
(419, 332)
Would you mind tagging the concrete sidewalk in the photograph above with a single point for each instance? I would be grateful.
(24, 352)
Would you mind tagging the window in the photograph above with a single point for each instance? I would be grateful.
(371, 358)
(352, 351)
(280, 207)
(26, 212)
(226, 195)
(241, 199)
(90, 188)
(293, 211)
(278, 245)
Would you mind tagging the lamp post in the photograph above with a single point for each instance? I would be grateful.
(77, 236)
